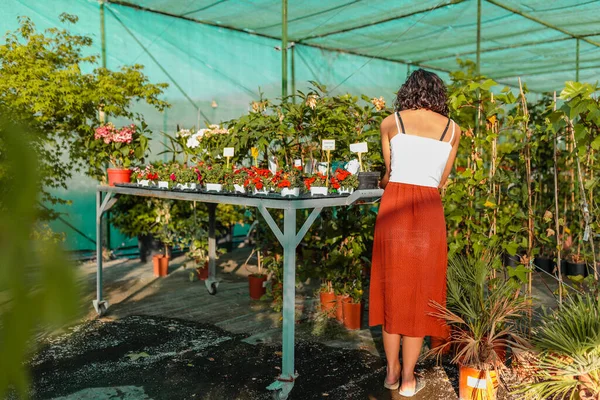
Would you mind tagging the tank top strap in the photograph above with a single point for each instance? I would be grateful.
(445, 130)
(399, 122)
(452, 136)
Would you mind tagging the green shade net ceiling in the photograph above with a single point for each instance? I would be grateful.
(218, 55)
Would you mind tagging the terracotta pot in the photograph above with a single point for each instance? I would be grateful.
(339, 308)
(256, 284)
(352, 313)
(156, 264)
(327, 303)
(476, 384)
(439, 342)
(202, 272)
(163, 266)
(118, 175)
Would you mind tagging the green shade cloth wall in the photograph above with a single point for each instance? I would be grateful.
(222, 52)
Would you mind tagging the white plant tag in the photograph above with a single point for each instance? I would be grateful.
(476, 383)
(328, 144)
(359, 147)
(297, 163)
(228, 152)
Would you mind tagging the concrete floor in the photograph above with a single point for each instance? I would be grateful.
(230, 317)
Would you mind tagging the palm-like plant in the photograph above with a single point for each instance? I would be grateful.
(568, 365)
(484, 313)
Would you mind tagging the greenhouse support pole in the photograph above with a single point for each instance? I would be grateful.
(293, 50)
(478, 67)
(577, 62)
(284, 44)
(106, 236)
(102, 34)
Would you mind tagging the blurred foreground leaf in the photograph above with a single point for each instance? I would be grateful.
(37, 284)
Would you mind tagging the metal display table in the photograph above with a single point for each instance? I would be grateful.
(107, 196)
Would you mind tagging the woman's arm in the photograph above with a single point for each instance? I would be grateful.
(450, 163)
(385, 149)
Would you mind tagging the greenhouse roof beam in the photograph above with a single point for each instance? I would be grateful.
(545, 71)
(382, 21)
(507, 47)
(314, 14)
(542, 22)
(209, 23)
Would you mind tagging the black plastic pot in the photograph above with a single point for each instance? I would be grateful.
(511, 261)
(574, 269)
(368, 180)
(544, 264)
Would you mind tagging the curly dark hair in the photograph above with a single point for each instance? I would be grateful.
(423, 89)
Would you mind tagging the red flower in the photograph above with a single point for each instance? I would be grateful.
(173, 177)
(335, 185)
(259, 185)
(298, 167)
(308, 182)
(284, 183)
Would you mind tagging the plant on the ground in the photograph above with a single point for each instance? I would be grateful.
(484, 314)
(44, 85)
(568, 341)
(38, 288)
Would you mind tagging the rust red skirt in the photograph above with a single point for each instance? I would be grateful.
(410, 257)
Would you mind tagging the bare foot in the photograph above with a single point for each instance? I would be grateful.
(408, 384)
(393, 374)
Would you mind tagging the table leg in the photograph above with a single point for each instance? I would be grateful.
(285, 383)
(212, 283)
(100, 305)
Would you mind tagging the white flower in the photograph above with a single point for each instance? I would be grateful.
(213, 126)
(193, 142)
(202, 132)
(184, 133)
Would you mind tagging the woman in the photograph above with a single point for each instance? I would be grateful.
(419, 144)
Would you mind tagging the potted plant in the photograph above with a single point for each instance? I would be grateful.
(484, 315)
(576, 265)
(257, 280)
(327, 298)
(258, 180)
(343, 181)
(166, 178)
(185, 178)
(199, 254)
(144, 177)
(567, 360)
(234, 180)
(316, 184)
(120, 147)
(213, 177)
(352, 304)
(289, 182)
(167, 234)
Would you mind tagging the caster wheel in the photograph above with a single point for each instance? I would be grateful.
(101, 310)
(276, 395)
(213, 289)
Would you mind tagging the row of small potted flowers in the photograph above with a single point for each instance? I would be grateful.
(216, 178)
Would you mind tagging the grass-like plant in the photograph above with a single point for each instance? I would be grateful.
(568, 363)
(484, 313)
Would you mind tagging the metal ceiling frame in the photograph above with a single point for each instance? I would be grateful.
(420, 63)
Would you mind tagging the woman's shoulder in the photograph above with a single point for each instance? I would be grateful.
(388, 123)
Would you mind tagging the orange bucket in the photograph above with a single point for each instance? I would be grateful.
(477, 384)
(327, 303)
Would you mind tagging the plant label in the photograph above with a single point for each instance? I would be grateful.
(228, 152)
(297, 163)
(359, 147)
(328, 144)
(254, 152)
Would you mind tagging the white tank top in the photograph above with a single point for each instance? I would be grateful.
(418, 160)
